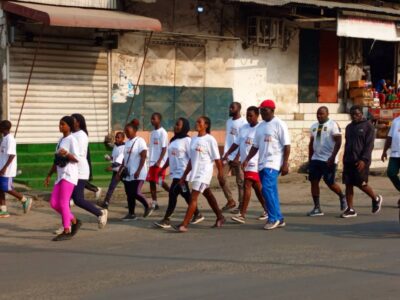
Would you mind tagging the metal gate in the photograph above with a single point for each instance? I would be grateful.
(70, 76)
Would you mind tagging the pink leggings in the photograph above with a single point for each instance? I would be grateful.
(59, 201)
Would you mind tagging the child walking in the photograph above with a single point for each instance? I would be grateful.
(117, 158)
(8, 170)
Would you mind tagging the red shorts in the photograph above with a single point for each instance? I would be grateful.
(155, 173)
(252, 176)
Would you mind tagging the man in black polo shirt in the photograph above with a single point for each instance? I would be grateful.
(360, 136)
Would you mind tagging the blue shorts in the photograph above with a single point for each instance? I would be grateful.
(6, 184)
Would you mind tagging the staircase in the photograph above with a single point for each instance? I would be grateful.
(34, 162)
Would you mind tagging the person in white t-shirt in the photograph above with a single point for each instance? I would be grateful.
(272, 142)
(251, 177)
(393, 142)
(117, 157)
(135, 153)
(66, 165)
(203, 153)
(231, 162)
(178, 158)
(8, 170)
(325, 142)
(157, 157)
(80, 133)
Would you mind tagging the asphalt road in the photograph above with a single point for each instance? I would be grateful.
(312, 258)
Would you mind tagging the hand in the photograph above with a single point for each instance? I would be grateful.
(47, 181)
(384, 156)
(62, 152)
(136, 175)
(221, 179)
(109, 168)
(244, 164)
(360, 165)
(224, 158)
(331, 161)
(285, 169)
(236, 161)
(181, 181)
(2, 172)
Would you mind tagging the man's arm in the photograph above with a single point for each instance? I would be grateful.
(338, 144)
(310, 148)
(285, 164)
(388, 144)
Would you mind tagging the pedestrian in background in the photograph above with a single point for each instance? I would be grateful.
(157, 158)
(134, 163)
(8, 170)
(231, 162)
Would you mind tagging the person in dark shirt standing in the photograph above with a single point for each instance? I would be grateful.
(360, 136)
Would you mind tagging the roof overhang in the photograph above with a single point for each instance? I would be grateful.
(328, 4)
(81, 17)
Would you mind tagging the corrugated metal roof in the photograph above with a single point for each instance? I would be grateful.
(328, 4)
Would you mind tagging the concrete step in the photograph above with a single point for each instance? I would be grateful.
(313, 107)
(306, 124)
(335, 117)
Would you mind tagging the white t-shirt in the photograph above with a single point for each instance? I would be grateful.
(118, 155)
(271, 137)
(203, 152)
(134, 160)
(232, 132)
(394, 133)
(179, 155)
(83, 144)
(70, 172)
(245, 142)
(8, 147)
(158, 140)
(324, 143)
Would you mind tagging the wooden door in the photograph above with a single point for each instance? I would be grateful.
(328, 67)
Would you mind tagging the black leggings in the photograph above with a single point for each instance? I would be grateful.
(174, 191)
(133, 190)
(78, 196)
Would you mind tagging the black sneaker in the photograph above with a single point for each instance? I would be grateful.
(349, 213)
(129, 217)
(197, 219)
(377, 204)
(63, 237)
(315, 212)
(75, 227)
(163, 224)
(343, 203)
(148, 211)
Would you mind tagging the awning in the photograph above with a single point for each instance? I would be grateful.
(81, 17)
(368, 29)
(328, 4)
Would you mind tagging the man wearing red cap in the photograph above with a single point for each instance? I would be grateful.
(272, 141)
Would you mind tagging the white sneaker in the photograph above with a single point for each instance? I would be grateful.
(71, 203)
(98, 193)
(103, 218)
(263, 217)
(59, 230)
(271, 225)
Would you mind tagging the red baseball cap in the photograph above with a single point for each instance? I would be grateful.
(267, 104)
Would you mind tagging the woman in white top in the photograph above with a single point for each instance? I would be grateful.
(135, 163)
(66, 166)
(203, 153)
(178, 158)
(81, 134)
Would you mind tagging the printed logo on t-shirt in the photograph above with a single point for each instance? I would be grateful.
(325, 128)
(268, 138)
(200, 148)
(314, 129)
(155, 142)
(249, 141)
(174, 152)
(234, 131)
(3, 149)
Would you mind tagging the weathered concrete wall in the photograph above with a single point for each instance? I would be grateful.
(3, 65)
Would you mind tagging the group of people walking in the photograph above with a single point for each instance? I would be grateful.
(255, 152)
